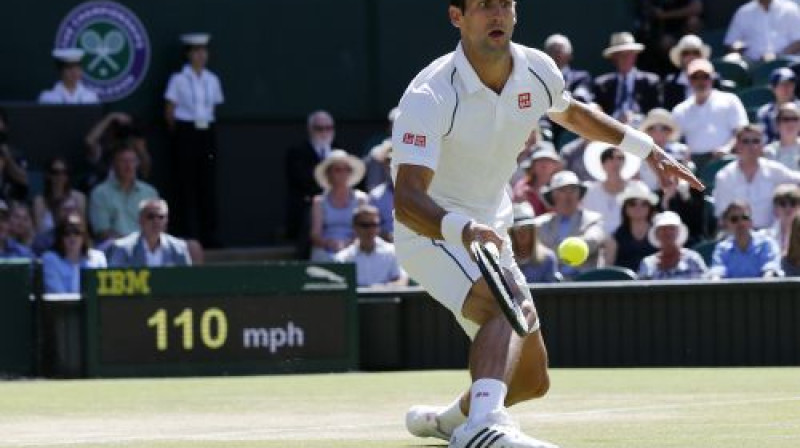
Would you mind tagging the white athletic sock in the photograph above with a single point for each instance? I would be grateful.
(451, 417)
(486, 396)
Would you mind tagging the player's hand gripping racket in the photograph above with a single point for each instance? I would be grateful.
(488, 258)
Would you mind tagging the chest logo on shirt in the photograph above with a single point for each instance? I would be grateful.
(116, 46)
(524, 100)
(412, 139)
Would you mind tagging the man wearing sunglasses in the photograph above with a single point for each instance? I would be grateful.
(745, 253)
(709, 118)
(376, 262)
(151, 246)
(751, 178)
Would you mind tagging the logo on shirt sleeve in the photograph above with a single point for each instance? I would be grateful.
(419, 141)
(408, 138)
(524, 100)
(413, 139)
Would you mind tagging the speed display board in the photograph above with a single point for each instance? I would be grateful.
(288, 317)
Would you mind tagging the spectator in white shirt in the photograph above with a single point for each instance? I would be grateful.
(375, 259)
(752, 178)
(709, 118)
(786, 149)
(70, 89)
(766, 28)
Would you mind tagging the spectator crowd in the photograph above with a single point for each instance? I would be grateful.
(708, 111)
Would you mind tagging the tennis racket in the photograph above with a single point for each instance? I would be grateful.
(488, 258)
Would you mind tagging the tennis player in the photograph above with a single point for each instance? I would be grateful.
(461, 125)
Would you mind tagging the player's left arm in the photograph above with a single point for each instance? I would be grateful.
(597, 126)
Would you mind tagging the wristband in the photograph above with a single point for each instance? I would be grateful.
(636, 142)
(452, 227)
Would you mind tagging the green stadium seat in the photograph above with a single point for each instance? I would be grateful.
(755, 96)
(733, 71)
(609, 273)
(708, 173)
(760, 73)
(706, 250)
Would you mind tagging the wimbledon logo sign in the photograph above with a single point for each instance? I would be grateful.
(116, 45)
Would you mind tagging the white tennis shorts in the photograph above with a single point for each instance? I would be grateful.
(447, 272)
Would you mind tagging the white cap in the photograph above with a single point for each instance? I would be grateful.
(195, 39)
(68, 55)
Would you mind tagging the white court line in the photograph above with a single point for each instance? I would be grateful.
(218, 435)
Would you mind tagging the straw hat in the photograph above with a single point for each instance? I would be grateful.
(559, 180)
(623, 41)
(664, 219)
(688, 42)
(663, 117)
(542, 150)
(357, 168)
(591, 160)
(638, 190)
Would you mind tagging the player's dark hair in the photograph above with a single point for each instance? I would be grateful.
(460, 4)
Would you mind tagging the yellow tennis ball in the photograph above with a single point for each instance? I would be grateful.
(573, 251)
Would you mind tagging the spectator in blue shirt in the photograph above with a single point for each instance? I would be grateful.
(744, 253)
(62, 266)
(8, 247)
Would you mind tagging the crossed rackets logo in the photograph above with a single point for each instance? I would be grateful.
(102, 49)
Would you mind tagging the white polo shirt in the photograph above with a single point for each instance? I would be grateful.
(708, 126)
(765, 31)
(731, 184)
(60, 95)
(450, 122)
(375, 268)
(195, 97)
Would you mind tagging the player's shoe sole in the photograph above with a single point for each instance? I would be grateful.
(421, 421)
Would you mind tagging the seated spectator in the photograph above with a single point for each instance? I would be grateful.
(786, 149)
(790, 262)
(13, 177)
(613, 171)
(782, 81)
(665, 132)
(677, 196)
(151, 246)
(577, 82)
(569, 218)
(745, 253)
(672, 261)
(61, 267)
(332, 211)
(57, 187)
(676, 87)
(709, 118)
(537, 263)
(629, 244)
(626, 89)
(376, 262)
(751, 178)
(765, 29)
(44, 241)
(539, 168)
(70, 89)
(114, 204)
(785, 205)
(382, 196)
(10, 248)
(104, 136)
(21, 224)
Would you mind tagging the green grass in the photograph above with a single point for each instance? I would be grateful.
(616, 408)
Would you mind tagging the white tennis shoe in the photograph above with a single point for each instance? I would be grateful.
(497, 430)
(421, 421)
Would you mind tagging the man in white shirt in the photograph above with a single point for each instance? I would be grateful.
(709, 118)
(455, 142)
(376, 262)
(767, 28)
(70, 89)
(191, 99)
(752, 178)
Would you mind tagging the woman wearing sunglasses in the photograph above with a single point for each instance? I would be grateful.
(744, 253)
(71, 253)
(57, 189)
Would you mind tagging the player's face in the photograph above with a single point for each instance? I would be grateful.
(486, 25)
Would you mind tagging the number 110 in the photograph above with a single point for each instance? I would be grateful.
(185, 321)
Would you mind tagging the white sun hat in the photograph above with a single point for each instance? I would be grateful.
(688, 42)
(195, 39)
(357, 168)
(591, 160)
(664, 219)
(623, 41)
(68, 55)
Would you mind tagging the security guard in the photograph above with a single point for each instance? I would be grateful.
(70, 89)
(192, 95)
